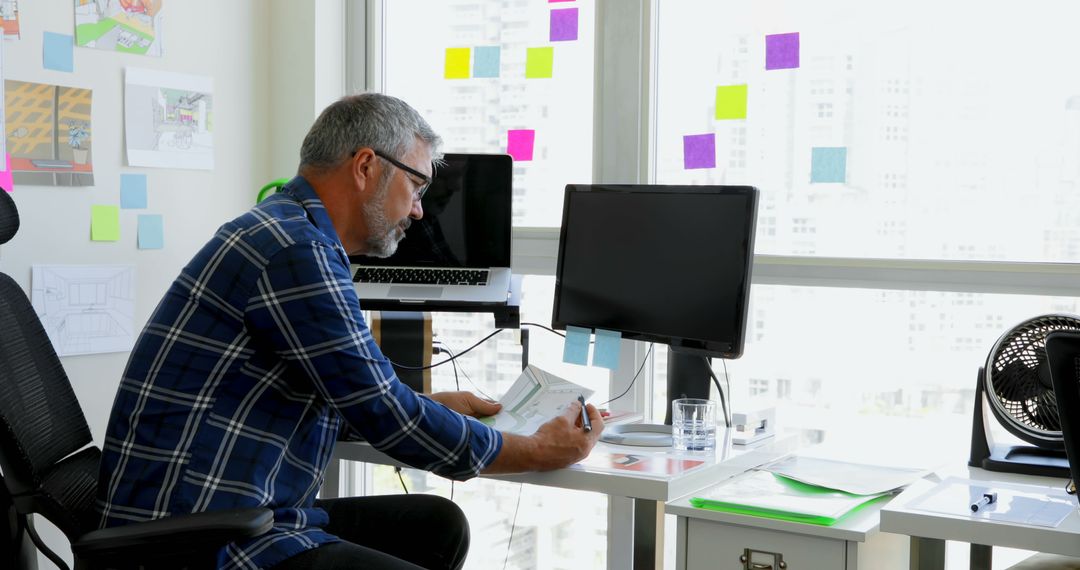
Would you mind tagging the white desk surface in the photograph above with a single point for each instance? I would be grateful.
(728, 461)
(854, 528)
(896, 517)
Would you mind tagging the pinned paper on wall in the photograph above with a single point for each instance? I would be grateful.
(699, 151)
(539, 62)
(564, 25)
(9, 18)
(132, 191)
(731, 102)
(85, 309)
(104, 223)
(486, 61)
(57, 52)
(576, 347)
(606, 351)
(828, 164)
(519, 144)
(6, 181)
(782, 51)
(49, 149)
(151, 231)
(169, 119)
(457, 63)
(125, 26)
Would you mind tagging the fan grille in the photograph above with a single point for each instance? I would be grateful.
(1018, 378)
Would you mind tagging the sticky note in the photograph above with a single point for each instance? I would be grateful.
(699, 151)
(132, 191)
(554, 1)
(828, 164)
(539, 62)
(57, 52)
(731, 102)
(519, 143)
(151, 231)
(606, 351)
(457, 63)
(6, 181)
(104, 223)
(782, 51)
(576, 347)
(486, 61)
(563, 25)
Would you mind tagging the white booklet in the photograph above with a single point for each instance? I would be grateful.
(536, 397)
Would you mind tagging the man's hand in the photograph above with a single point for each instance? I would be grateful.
(559, 442)
(467, 403)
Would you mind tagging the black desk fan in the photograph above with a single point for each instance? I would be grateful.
(1016, 386)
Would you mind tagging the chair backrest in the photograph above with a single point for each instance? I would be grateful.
(41, 422)
(1063, 356)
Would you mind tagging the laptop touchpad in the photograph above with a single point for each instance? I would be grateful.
(413, 292)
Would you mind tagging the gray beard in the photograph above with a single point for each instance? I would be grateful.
(382, 241)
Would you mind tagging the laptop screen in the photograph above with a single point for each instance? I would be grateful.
(466, 219)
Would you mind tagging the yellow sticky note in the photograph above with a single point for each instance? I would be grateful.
(731, 102)
(457, 63)
(104, 223)
(538, 62)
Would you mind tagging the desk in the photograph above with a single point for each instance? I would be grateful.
(708, 539)
(649, 493)
(929, 530)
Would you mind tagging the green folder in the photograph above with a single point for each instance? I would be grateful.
(764, 494)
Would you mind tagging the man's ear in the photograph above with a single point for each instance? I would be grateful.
(364, 168)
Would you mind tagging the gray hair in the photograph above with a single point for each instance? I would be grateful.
(371, 120)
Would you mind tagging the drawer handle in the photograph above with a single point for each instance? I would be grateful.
(747, 559)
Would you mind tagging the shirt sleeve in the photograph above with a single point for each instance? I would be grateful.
(304, 308)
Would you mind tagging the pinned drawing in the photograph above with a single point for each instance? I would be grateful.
(9, 18)
(85, 309)
(128, 26)
(49, 135)
(168, 119)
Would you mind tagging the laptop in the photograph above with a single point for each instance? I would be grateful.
(459, 252)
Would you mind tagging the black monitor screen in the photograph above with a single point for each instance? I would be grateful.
(658, 263)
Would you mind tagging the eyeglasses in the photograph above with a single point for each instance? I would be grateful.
(425, 179)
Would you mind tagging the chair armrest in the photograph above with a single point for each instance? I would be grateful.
(174, 536)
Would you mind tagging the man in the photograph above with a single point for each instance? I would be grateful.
(237, 387)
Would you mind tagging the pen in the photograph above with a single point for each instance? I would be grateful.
(986, 499)
(585, 423)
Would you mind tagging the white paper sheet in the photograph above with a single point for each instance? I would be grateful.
(1017, 503)
(85, 309)
(534, 398)
(168, 119)
(856, 478)
(761, 490)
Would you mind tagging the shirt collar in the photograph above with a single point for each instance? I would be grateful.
(301, 191)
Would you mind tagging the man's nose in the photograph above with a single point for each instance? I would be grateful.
(417, 211)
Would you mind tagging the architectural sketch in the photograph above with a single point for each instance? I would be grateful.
(128, 26)
(85, 309)
(48, 134)
(9, 18)
(168, 119)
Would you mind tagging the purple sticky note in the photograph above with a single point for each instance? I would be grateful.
(699, 151)
(782, 51)
(5, 177)
(563, 25)
(519, 144)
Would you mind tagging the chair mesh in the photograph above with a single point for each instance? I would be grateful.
(9, 217)
(68, 493)
(40, 419)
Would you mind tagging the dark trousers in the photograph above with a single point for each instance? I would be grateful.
(391, 531)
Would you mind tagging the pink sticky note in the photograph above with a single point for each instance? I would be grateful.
(699, 151)
(519, 143)
(5, 177)
(564, 25)
(554, 1)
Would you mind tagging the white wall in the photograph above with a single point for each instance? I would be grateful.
(228, 41)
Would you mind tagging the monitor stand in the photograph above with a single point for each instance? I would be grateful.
(687, 377)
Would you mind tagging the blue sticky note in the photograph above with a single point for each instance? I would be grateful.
(132, 191)
(57, 51)
(576, 349)
(828, 164)
(151, 231)
(486, 61)
(606, 351)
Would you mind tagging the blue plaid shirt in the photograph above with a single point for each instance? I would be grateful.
(237, 386)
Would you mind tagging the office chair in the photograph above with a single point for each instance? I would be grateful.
(50, 468)
(1063, 355)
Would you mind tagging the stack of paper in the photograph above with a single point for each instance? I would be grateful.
(534, 398)
(763, 494)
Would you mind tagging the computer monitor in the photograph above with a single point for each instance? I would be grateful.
(668, 264)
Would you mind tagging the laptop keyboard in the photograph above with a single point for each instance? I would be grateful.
(420, 275)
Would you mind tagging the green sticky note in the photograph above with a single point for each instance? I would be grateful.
(538, 62)
(104, 223)
(457, 63)
(731, 102)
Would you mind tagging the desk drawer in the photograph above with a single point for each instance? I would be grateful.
(716, 546)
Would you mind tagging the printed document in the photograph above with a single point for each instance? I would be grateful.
(536, 397)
